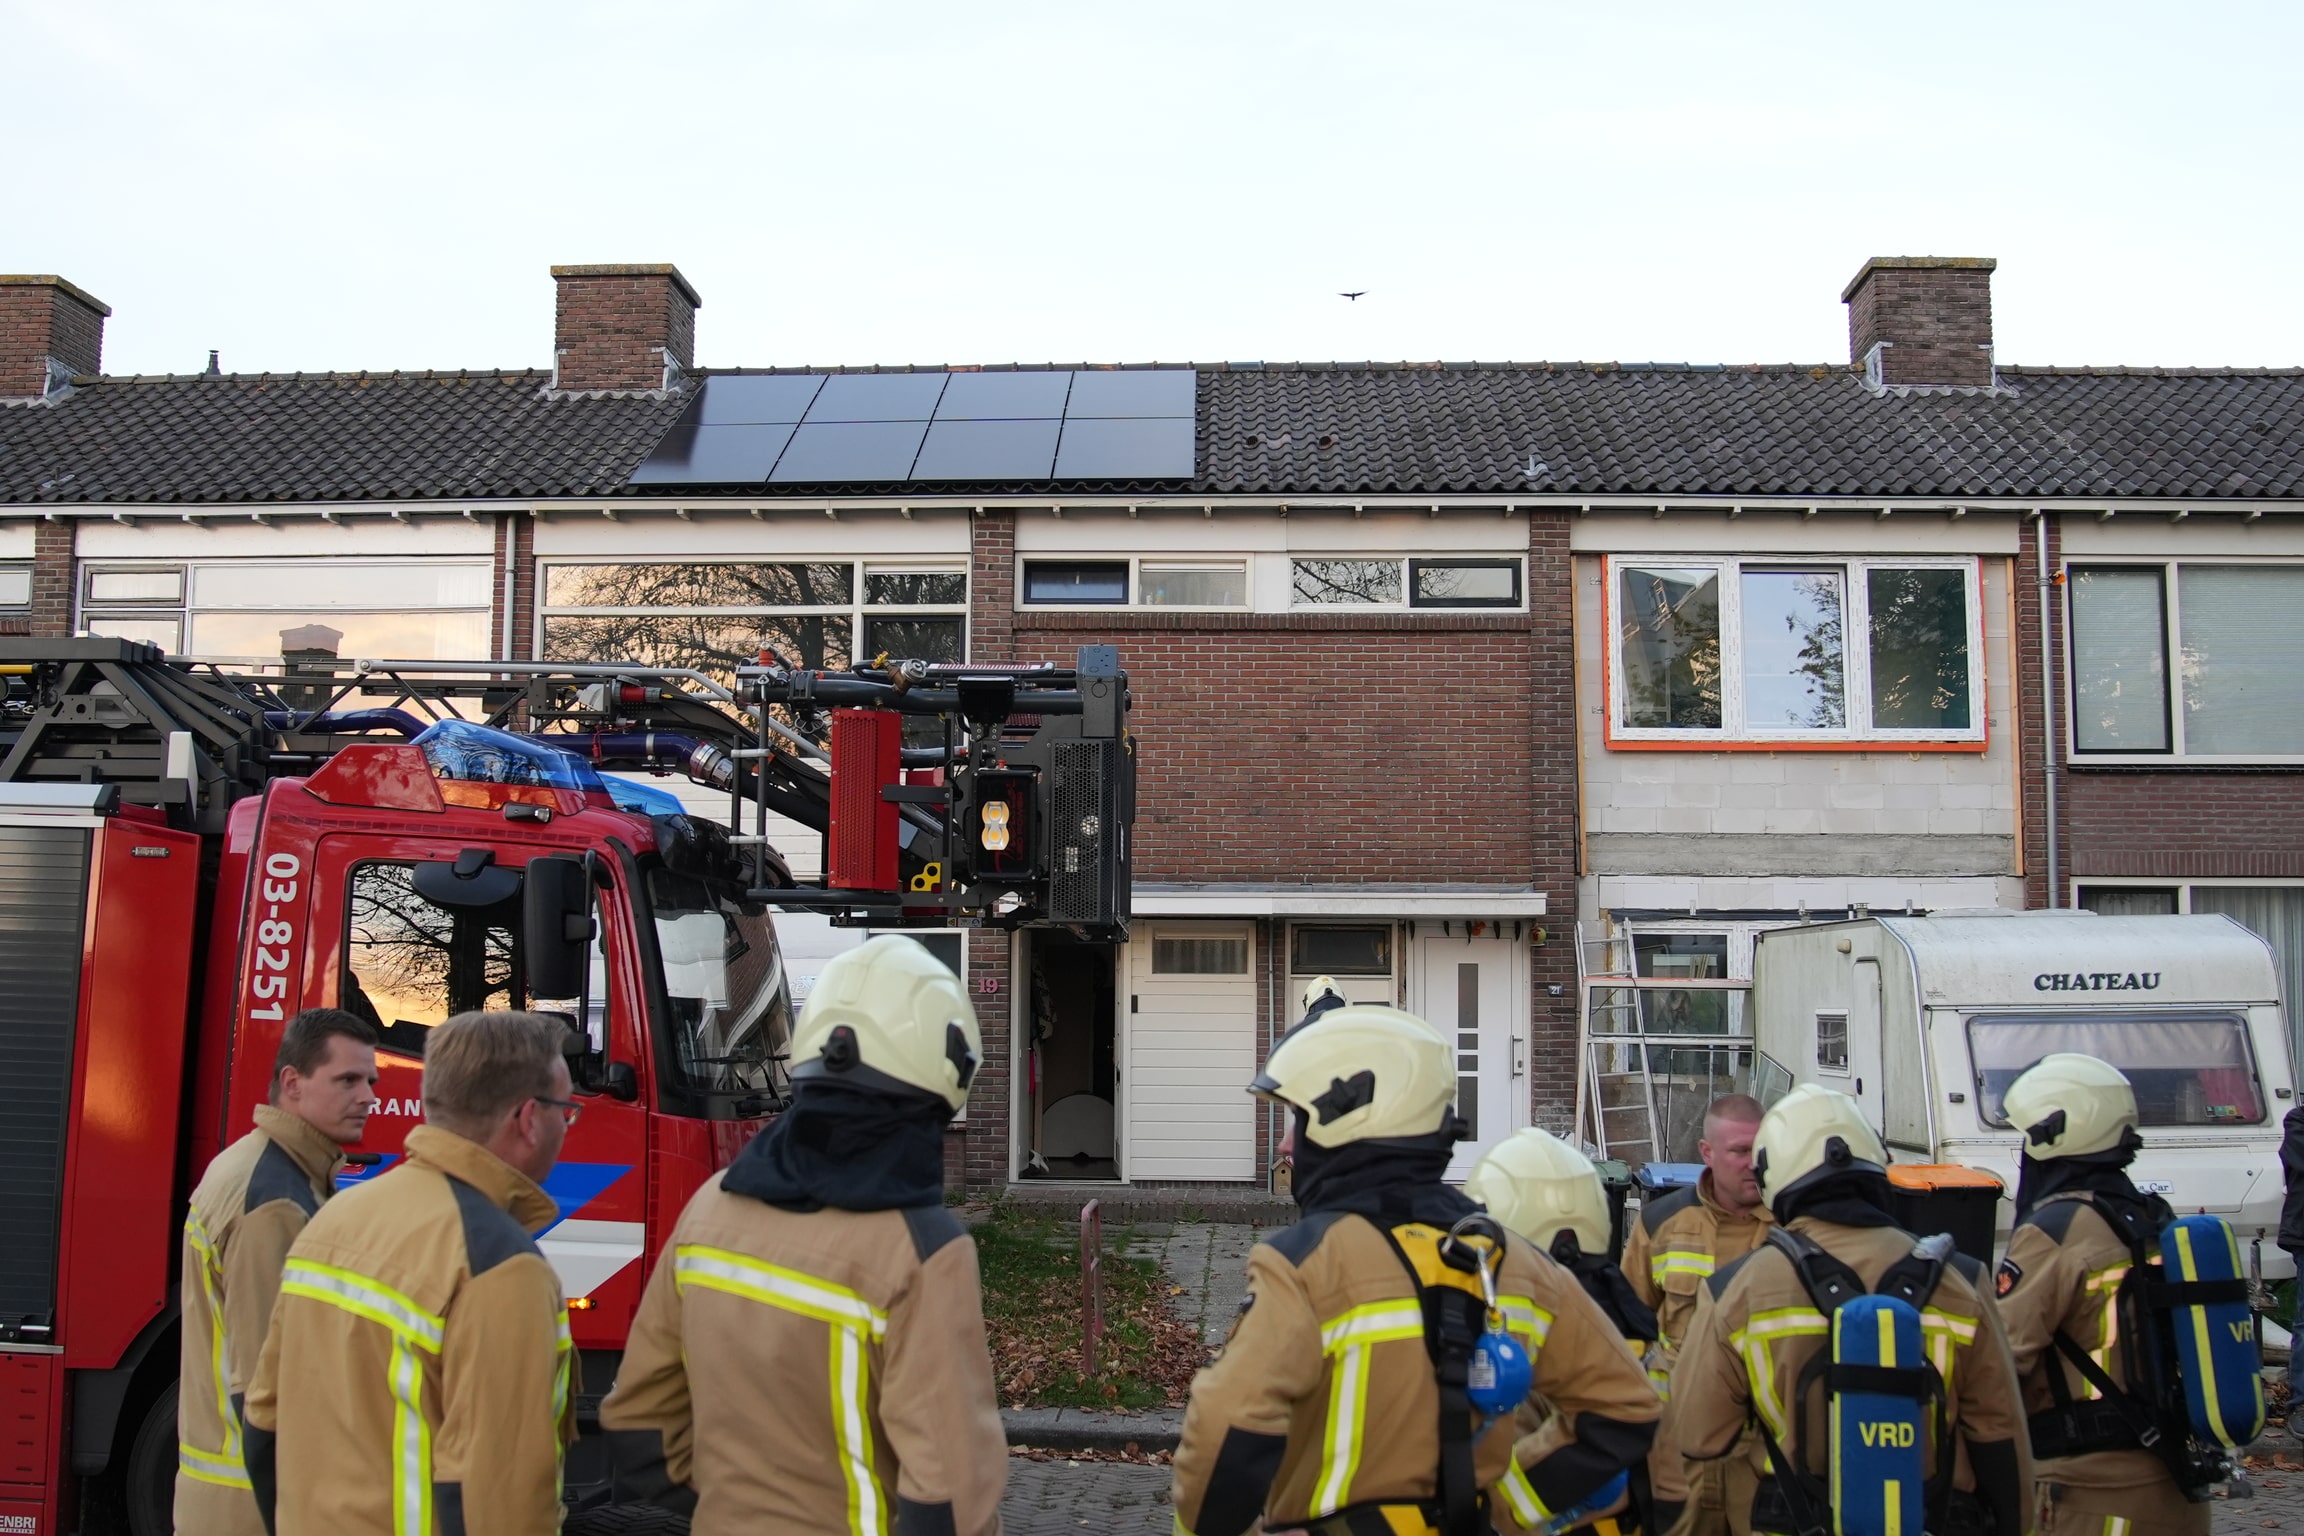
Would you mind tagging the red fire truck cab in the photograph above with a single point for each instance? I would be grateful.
(157, 930)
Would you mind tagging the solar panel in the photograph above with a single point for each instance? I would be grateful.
(849, 450)
(1132, 392)
(713, 456)
(877, 397)
(987, 450)
(1004, 396)
(1154, 449)
(732, 399)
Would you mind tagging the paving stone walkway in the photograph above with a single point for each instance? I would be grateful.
(1209, 1260)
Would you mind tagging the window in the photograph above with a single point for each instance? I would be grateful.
(2187, 659)
(1154, 583)
(1832, 1043)
(1765, 650)
(1361, 581)
(1199, 957)
(724, 985)
(2187, 1069)
(410, 964)
(1696, 1011)
(1340, 951)
(2130, 901)
(2274, 913)
(1464, 583)
(15, 586)
(236, 611)
(716, 616)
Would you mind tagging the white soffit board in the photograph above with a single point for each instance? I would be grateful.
(219, 536)
(1185, 530)
(16, 539)
(1345, 901)
(783, 533)
(2154, 537)
(1768, 531)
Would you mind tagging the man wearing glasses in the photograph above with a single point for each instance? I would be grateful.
(417, 1376)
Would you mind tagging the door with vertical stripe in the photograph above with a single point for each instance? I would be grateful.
(1474, 990)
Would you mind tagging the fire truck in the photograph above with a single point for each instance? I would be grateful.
(188, 857)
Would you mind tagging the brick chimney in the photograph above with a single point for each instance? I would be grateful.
(1922, 320)
(49, 331)
(618, 327)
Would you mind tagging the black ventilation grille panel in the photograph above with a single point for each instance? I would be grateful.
(43, 900)
(1081, 827)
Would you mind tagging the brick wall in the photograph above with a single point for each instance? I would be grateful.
(992, 586)
(52, 577)
(1934, 313)
(521, 619)
(615, 325)
(2188, 824)
(1550, 777)
(2039, 732)
(983, 1156)
(43, 317)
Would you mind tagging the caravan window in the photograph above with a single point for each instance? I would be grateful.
(2187, 1068)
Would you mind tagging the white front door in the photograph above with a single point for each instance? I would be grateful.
(1475, 992)
(1190, 1020)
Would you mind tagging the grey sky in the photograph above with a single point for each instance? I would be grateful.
(316, 187)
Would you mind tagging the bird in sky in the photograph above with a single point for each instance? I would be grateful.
(1351, 295)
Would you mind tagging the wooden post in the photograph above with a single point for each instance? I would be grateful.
(1091, 1284)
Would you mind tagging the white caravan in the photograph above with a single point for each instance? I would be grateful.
(1926, 1020)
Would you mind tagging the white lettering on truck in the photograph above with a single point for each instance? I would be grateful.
(275, 938)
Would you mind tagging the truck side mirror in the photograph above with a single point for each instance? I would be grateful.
(557, 926)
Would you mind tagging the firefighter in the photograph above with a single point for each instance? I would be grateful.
(1679, 1240)
(810, 1352)
(1329, 1409)
(250, 1207)
(418, 1373)
(2064, 1264)
(1764, 1320)
(1549, 1193)
(1321, 995)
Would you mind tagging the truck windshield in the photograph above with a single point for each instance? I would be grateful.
(2186, 1068)
(724, 979)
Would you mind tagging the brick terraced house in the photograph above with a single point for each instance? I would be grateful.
(1438, 668)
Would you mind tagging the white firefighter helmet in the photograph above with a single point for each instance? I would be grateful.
(1811, 1132)
(889, 1015)
(2070, 1105)
(1317, 988)
(1363, 1072)
(1540, 1187)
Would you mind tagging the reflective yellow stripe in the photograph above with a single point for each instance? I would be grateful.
(867, 1507)
(565, 1349)
(1524, 1317)
(366, 1298)
(225, 1465)
(209, 1469)
(1347, 1409)
(1518, 1492)
(1679, 1261)
(2115, 1525)
(1751, 1341)
(1378, 1322)
(411, 1442)
(853, 1321)
(773, 1285)
(412, 1329)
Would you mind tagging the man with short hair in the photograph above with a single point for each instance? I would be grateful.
(417, 1376)
(250, 1207)
(1679, 1241)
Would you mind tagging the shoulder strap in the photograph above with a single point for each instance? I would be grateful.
(1453, 1320)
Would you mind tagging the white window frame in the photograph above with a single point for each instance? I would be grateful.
(1408, 603)
(185, 608)
(1856, 630)
(2172, 669)
(856, 610)
(1135, 564)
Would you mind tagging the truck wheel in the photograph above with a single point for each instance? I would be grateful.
(150, 1486)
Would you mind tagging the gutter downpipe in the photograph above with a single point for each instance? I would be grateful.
(2050, 715)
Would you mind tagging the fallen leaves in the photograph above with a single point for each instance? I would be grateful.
(1031, 1269)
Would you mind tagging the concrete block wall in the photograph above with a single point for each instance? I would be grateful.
(1760, 812)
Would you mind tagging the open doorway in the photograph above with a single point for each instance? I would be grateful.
(1071, 1103)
